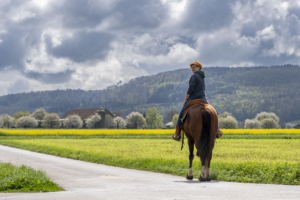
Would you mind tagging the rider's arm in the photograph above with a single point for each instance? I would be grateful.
(186, 98)
(192, 85)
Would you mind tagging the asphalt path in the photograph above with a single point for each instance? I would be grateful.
(84, 180)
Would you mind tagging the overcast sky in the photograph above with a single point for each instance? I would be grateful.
(90, 44)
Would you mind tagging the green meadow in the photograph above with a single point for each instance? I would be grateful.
(273, 161)
(24, 179)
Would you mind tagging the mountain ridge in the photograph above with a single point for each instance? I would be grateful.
(243, 91)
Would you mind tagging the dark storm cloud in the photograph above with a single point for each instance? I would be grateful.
(205, 16)
(12, 50)
(82, 46)
(51, 78)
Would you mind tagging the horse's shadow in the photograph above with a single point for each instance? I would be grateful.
(195, 181)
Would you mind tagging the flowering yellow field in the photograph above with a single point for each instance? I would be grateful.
(87, 132)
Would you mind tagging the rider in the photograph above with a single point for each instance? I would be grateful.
(196, 91)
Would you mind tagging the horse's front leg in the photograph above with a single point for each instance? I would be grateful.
(191, 158)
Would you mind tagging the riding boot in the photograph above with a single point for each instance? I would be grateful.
(177, 135)
(219, 133)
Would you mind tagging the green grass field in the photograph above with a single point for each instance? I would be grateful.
(24, 179)
(241, 160)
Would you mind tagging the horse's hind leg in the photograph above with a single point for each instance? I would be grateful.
(203, 176)
(191, 158)
(208, 169)
(205, 169)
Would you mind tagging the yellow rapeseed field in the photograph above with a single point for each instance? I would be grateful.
(91, 132)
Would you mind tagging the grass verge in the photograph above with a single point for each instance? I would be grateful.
(168, 136)
(241, 160)
(24, 179)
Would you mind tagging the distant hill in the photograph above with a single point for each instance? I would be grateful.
(243, 91)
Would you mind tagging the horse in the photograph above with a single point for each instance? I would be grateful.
(200, 125)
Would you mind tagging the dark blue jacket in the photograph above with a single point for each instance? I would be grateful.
(197, 86)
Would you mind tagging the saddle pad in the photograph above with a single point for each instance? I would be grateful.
(196, 102)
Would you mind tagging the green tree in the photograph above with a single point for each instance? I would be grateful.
(21, 114)
(174, 120)
(153, 118)
(225, 114)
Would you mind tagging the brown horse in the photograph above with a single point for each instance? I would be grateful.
(200, 127)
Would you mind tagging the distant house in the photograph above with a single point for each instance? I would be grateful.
(168, 125)
(297, 126)
(106, 116)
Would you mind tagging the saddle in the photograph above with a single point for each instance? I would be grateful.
(190, 105)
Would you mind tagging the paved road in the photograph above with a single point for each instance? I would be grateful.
(83, 180)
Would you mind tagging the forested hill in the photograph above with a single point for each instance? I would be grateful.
(243, 91)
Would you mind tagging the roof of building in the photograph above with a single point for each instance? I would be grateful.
(169, 124)
(85, 113)
(297, 126)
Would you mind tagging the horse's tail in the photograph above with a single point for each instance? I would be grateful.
(205, 139)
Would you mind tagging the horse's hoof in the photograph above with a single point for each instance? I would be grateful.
(208, 179)
(202, 179)
(189, 177)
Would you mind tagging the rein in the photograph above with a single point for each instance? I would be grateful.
(182, 132)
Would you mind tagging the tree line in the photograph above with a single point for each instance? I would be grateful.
(243, 91)
(41, 119)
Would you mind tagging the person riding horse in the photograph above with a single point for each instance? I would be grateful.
(196, 91)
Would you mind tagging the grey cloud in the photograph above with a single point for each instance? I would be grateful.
(204, 16)
(51, 78)
(79, 13)
(82, 46)
(19, 86)
(137, 15)
(12, 50)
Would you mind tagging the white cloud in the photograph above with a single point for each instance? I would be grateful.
(92, 44)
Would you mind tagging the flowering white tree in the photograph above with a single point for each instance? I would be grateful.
(135, 120)
(228, 123)
(92, 120)
(264, 115)
(252, 124)
(26, 122)
(51, 120)
(121, 123)
(290, 125)
(39, 114)
(73, 121)
(7, 121)
(268, 123)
